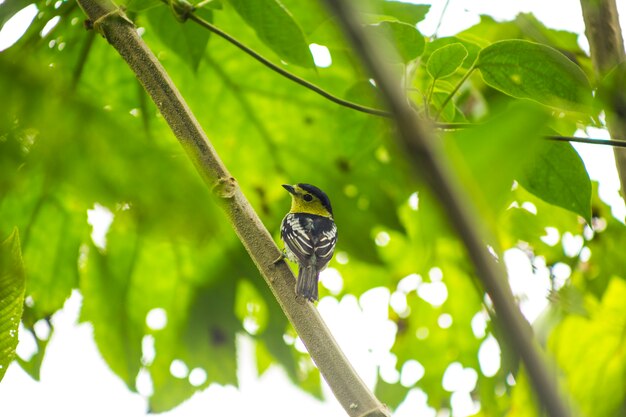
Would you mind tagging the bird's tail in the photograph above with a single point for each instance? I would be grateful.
(306, 285)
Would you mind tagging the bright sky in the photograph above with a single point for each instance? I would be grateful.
(76, 382)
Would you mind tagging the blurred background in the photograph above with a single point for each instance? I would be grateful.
(141, 299)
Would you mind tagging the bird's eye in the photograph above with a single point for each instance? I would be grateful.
(307, 197)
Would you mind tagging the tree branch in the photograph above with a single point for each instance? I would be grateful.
(351, 392)
(428, 160)
(603, 31)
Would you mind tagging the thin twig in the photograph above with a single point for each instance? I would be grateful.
(443, 13)
(453, 92)
(345, 383)
(607, 142)
(290, 76)
(429, 164)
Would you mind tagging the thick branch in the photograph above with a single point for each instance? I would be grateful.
(428, 160)
(607, 50)
(351, 392)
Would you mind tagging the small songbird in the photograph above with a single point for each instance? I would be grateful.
(310, 235)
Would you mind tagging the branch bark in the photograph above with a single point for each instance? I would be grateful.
(606, 44)
(429, 164)
(120, 32)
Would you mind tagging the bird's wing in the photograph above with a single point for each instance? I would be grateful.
(325, 245)
(297, 238)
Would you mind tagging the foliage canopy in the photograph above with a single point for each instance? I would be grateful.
(78, 130)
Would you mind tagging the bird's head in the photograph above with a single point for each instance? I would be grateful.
(307, 198)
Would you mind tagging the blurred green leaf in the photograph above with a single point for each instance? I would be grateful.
(12, 282)
(405, 12)
(390, 394)
(277, 28)
(77, 129)
(557, 175)
(51, 248)
(524, 69)
(108, 293)
(446, 60)
(504, 144)
(591, 353)
(187, 39)
(407, 41)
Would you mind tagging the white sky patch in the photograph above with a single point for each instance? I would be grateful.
(387, 369)
(600, 165)
(529, 207)
(144, 383)
(16, 26)
(415, 404)
(414, 201)
(412, 371)
(42, 329)
(530, 283)
(26, 344)
(382, 238)
(409, 283)
(456, 378)
(560, 274)
(422, 333)
(321, 55)
(100, 218)
(479, 324)
(552, 236)
(156, 319)
(332, 280)
(50, 25)
(435, 274)
(197, 377)
(572, 244)
(148, 351)
(435, 293)
(398, 303)
(463, 405)
(179, 369)
(342, 258)
(489, 356)
(444, 321)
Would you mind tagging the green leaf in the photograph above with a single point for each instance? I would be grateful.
(504, 144)
(446, 60)
(538, 72)
(592, 353)
(405, 12)
(407, 41)
(51, 248)
(558, 176)
(12, 284)
(276, 27)
(390, 394)
(108, 293)
(186, 39)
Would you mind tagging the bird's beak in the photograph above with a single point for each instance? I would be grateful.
(289, 188)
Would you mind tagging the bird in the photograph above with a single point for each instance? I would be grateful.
(310, 235)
